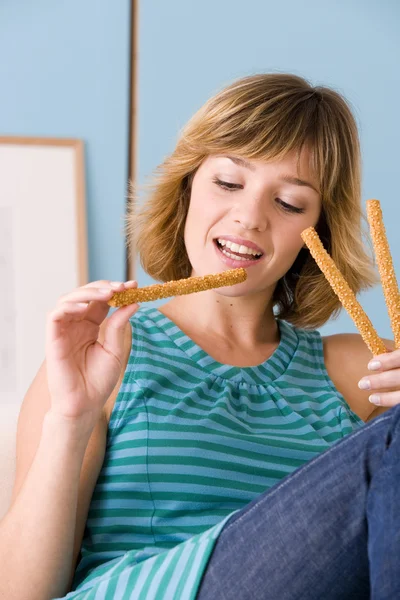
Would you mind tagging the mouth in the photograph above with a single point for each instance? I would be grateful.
(235, 255)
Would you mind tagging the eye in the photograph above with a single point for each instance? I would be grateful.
(289, 207)
(226, 185)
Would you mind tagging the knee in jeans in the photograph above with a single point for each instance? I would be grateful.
(394, 431)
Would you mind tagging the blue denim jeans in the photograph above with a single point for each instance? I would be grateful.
(328, 531)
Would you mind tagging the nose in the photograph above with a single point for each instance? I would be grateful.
(252, 215)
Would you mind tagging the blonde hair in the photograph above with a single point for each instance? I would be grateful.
(266, 116)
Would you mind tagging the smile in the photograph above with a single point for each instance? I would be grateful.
(235, 254)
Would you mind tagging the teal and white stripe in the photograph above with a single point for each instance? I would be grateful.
(190, 442)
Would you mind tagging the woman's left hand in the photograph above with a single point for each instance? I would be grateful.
(385, 374)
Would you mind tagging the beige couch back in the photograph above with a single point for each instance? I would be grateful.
(8, 429)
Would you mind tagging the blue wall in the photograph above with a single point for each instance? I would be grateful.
(64, 71)
(189, 50)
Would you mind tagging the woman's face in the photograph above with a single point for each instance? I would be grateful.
(250, 214)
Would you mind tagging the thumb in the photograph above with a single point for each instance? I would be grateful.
(114, 331)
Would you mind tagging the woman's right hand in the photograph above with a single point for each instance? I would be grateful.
(81, 371)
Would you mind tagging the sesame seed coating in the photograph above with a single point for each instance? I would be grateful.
(385, 266)
(343, 291)
(180, 287)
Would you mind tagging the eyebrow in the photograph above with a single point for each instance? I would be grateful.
(287, 178)
(297, 181)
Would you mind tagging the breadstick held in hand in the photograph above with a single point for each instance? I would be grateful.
(385, 266)
(343, 291)
(178, 288)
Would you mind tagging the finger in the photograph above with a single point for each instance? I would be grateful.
(99, 284)
(390, 360)
(86, 302)
(68, 311)
(87, 295)
(385, 379)
(98, 311)
(89, 292)
(115, 329)
(387, 399)
(96, 299)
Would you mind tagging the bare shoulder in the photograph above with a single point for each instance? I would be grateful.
(109, 405)
(346, 359)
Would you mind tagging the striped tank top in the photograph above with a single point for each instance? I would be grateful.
(190, 442)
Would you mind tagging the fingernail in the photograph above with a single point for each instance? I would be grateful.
(130, 282)
(364, 384)
(375, 399)
(115, 284)
(374, 365)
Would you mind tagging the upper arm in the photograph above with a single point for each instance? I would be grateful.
(346, 359)
(34, 407)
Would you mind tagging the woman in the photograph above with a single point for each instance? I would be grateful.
(168, 453)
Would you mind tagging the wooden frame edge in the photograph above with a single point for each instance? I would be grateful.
(81, 215)
(38, 141)
(132, 139)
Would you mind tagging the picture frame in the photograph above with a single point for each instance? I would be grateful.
(43, 247)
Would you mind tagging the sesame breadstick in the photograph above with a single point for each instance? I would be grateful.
(343, 291)
(178, 288)
(385, 266)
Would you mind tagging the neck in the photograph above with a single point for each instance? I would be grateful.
(246, 322)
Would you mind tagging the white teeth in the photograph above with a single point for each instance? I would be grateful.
(234, 255)
(238, 248)
(233, 246)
